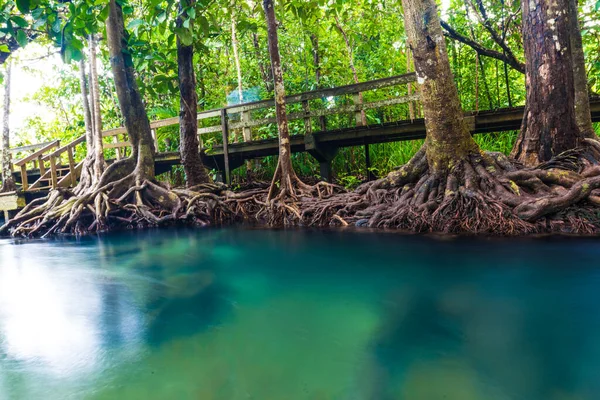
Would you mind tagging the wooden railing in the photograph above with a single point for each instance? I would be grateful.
(56, 173)
(234, 117)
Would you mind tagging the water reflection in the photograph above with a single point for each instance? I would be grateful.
(234, 314)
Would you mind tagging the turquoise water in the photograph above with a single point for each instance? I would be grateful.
(256, 314)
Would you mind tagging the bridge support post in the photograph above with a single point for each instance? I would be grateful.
(370, 175)
(225, 132)
(323, 153)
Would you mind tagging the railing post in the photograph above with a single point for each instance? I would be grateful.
(72, 166)
(246, 131)
(24, 182)
(53, 174)
(357, 113)
(117, 149)
(225, 131)
(307, 123)
(42, 166)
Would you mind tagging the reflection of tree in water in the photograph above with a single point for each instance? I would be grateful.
(187, 304)
(181, 294)
(489, 340)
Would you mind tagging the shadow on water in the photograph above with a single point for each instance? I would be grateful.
(185, 295)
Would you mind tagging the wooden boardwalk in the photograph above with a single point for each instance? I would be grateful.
(44, 166)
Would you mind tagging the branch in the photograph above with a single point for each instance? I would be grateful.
(508, 58)
(481, 15)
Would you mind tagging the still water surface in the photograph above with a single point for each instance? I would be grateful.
(256, 314)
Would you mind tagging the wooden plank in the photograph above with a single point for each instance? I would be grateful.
(66, 180)
(29, 147)
(225, 131)
(307, 123)
(336, 91)
(72, 166)
(64, 148)
(118, 150)
(114, 132)
(38, 153)
(42, 165)
(209, 129)
(357, 114)
(11, 201)
(117, 145)
(53, 173)
(331, 111)
(24, 183)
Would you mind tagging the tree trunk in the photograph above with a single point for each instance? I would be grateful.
(314, 40)
(448, 139)
(363, 117)
(130, 101)
(264, 71)
(8, 184)
(583, 114)
(236, 59)
(99, 162)
(285, 172)
(195, 173)
(549, 126)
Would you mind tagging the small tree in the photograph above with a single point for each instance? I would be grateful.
(195, 173)
(8, 183)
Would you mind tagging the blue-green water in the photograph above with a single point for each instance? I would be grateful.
(256, 314)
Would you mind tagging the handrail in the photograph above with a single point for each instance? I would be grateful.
(38, 153)
(28, 147)
(335, 91)
(295, 98)
(66, 147)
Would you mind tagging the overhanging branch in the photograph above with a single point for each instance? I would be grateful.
(508, 58)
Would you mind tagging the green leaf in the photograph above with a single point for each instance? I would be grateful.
(23, 6)
(4, 48)
(185, 35)
(162, 17)
(103, 14)
(597, 7)
(56, 25)
(134, 23)
(186, 24)
(19, 21)
(22, 38)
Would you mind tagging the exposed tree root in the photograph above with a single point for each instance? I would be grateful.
(486, 193)
(127, 203)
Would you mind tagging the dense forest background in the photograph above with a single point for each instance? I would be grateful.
(323, 44)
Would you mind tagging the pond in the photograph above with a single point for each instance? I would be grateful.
(270, 314)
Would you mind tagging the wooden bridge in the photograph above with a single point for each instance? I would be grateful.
(41, 167)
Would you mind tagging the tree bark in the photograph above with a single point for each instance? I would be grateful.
(582, 100)
(448, 139)
(549, 126)
(314, 40)
(99, 162)
(236, 58)
(8, 183)
(130, 101)
(285, 172)
(195, 173)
